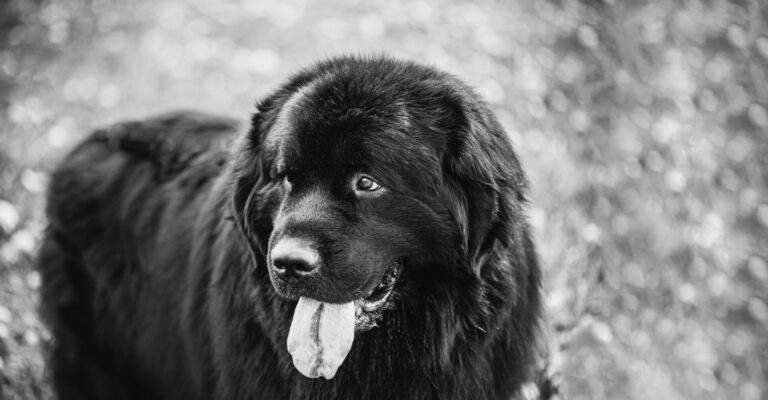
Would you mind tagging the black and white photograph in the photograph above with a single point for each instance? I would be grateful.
(390, 200)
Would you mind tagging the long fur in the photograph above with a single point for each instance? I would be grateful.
(155, 283)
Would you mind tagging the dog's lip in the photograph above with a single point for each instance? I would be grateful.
(368, 308)
(379, 294)
(371, 296)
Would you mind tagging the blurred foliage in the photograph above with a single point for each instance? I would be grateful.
(642, 124)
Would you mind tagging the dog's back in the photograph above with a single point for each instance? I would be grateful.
(108, 212)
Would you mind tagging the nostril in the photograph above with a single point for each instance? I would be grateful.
(279, 265)
(292, 266)
(302, 267)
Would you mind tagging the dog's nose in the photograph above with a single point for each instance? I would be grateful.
(294, 258)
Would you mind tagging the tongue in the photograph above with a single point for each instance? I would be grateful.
(320, 337)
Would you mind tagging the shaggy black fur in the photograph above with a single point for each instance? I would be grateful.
(155, 281)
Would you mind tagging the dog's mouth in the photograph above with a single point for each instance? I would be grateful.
(321, 334)
(369, 308)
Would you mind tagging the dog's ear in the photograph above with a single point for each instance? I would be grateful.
(248, 175)
(488, 182)
(476, 204)
(252, 164)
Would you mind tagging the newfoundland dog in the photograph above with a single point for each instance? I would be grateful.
(363, 238)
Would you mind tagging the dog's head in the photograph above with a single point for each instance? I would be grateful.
(364, 183)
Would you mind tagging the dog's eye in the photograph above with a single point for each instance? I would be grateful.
(289, 175)
(367, 184)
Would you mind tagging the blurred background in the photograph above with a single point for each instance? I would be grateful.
(642, 125)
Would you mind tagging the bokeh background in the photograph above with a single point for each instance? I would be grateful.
(642, 125)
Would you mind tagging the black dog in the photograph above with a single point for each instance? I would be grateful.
(368, 229)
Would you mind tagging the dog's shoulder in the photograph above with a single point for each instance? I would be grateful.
(170, 141)
(115, 165)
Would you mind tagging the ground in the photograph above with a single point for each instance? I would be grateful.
(642, 125)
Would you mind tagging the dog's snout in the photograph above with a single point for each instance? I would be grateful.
(294, 258)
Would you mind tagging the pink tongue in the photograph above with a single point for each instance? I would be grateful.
(320, 337)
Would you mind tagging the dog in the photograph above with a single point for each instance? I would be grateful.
(364, 237)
